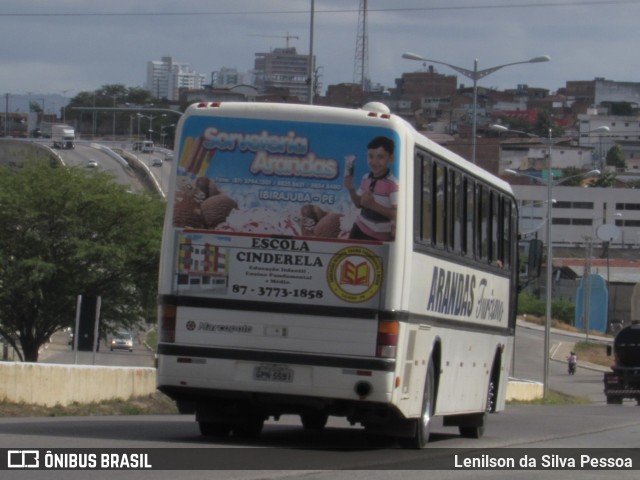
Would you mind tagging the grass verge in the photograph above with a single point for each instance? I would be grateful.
(587, 351)
(553, 398)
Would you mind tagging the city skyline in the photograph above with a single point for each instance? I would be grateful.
(79, 47)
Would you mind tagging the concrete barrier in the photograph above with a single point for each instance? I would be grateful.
(524, 390)
(50, 385)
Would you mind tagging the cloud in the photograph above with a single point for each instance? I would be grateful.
(79, 45)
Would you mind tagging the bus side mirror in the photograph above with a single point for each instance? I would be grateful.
(534, 265)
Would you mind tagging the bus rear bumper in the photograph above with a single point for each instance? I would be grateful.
(322, 382)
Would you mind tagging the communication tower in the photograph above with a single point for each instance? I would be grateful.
(361, 64)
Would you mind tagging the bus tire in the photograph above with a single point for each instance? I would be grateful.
(214, 429)
(314, 420)
(474, 431)
(250, 428)
(422, 425)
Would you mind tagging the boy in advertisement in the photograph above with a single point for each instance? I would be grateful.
(377, 196)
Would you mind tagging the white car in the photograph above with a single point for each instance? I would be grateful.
(92, 164)
(121, 341)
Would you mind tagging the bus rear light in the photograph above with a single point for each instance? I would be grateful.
(168, 324)
(206, 104)
(387, 344)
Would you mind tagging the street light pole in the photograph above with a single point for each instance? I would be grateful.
(474, 75)
(311, 65)
(547, 320)
(150, 118)
(549, 221)
(114, 116)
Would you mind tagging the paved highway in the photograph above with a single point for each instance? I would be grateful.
(285, 445)
(529, 363)
(107, 159)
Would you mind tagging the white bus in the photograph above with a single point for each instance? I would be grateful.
(331, 262)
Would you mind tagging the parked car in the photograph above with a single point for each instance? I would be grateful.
(121, 341)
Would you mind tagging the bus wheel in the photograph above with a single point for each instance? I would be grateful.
(250, 428)
(475, 431)
(423, 424)
(214, 429)
(314, 420)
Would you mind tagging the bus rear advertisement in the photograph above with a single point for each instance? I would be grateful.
(297, 277)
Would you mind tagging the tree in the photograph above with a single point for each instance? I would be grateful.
(104, 98)
(604, 180)
(65, 232)
(615, 157)
(572, 177)
(545, 123)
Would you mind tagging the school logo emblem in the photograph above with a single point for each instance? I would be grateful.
(355, 274)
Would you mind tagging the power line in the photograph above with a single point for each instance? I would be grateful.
(328, 11)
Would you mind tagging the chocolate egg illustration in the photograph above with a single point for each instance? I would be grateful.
(328, 226)
(216, 209)
(187, 214)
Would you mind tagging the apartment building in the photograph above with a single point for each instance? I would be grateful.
(283, 69)
(578, 214)
(166, 77)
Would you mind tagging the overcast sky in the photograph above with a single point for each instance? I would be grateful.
(56, 46)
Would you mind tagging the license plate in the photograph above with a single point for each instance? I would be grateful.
(272, 373)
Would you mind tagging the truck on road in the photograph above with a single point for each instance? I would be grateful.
(62, 136)
(145, 146)
(623, 381)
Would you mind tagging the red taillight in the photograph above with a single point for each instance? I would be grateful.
(168, 324)
(207, 104)
(387, 344)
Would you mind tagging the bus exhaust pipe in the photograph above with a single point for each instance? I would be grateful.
(363, 389)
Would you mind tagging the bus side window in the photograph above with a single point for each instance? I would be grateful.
(440, 203)
(495, 229)
(505, 254)
(480, 224)
(426, 204)
(469, 245)
(456, 211)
